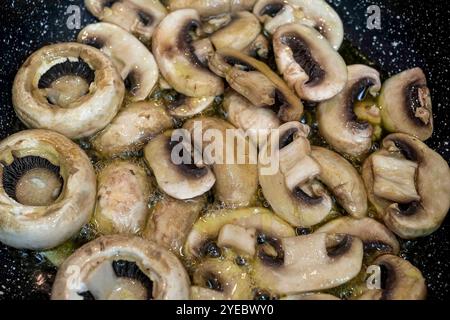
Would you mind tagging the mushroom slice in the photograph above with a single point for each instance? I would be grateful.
(209, 8)
(242, 114)
(224, 277)
(337, 121)
(308, 263)
(119, 266)
(70, 88)
(308, 63)
(174, 52)
(122, 198)
(405, 104)
(259, 48)
(240, 32)
(139, 17)
(132, 59)
(207, 229)
(47, 189)
(148, 119)
(400, 280)
(374, 235)
(342, 180)
(288, 177)
(181, 181)
(257, 82)
(412, 194)
(276, 13)
(171, 221)
(230, 155)
(183, 106)
(311, 296)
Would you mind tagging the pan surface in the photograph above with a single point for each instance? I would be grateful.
(413, 33)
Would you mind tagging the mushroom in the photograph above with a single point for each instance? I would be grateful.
(174, 53)
(308, 263)
(70, 88)
(400, 280)
(259, 48)
(121, 267)
(288, 177)
(405, 104)
(308, 63)
(171, 221)
(239, 33)
(409, 185)
(208, 8)
(139, 17)
(122, 198)
(182, 106)
(337, 121)
(374, 235)
(342, 179)
(316, 14)
(202, 240)
(179, 180)
(132, 59)
(310, 296)
(257, 122)
(148, 119)
(47, 189)
(257, 82)
(230, 157)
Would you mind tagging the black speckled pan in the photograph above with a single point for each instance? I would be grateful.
(413, 33)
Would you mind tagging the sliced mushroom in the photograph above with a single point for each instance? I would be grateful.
(308, 63)
(287, 175)
(171, 221)
(236, 174)
(132, 59)
(179, 180)
(311, 296)
(148, 119)
(308, 263)
(182, 106)
(375, 236)
(122, 198)
(276, 13)
(174, 53)
(409, 185)
(242, 114)
(405, 104)
(257, 82)
(70, 88)
(208, 8)
(127, 267)
(240, 32)
(47, 189)
(260, 48)
(337, 121)
(400, 280)
(342, 180)
(139, 17)
(206, 230)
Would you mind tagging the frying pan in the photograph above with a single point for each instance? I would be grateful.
(413, 33)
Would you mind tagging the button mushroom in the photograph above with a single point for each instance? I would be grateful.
(208, 8)
(375, 236)
(337, 121)
(174, 52)
(236, 175)
(181, 181)
(257, 82)
(47, 189)
(409, 185)
(308, 263)
(122, 198)
(148, 119)
(405, 104)
(182, 106)
(132, 59)
(291, 188)
(400, 280)
(308, 63)
(139, 17)
(342, 179)
(70, 88)
(121, 267)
